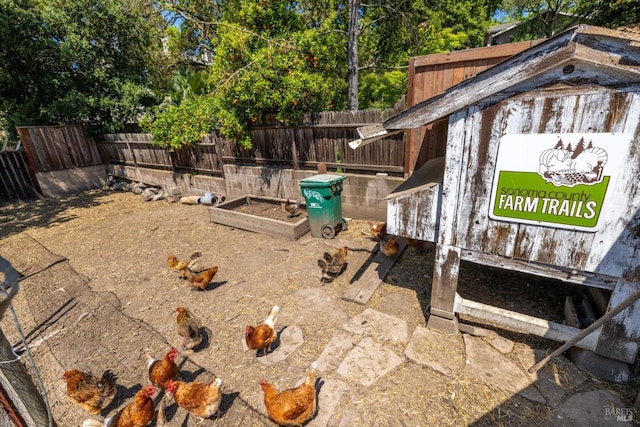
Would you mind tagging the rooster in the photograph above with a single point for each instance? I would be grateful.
(202, 400)
(333, 264)
(377, 230)
(292, 208)
(188, 328)
(262, 336)
(201, 280)
(294, 406)
(390, 247)
(183, 266)
(92, 393)
(138, 413)
(163, 370)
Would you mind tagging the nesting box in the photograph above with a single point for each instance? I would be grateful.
(540, 175)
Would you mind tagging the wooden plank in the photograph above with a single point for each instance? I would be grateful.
(620, 337)
(361, 290)
(445, 280)
(222, 214)
(504, 50)
(554, 272)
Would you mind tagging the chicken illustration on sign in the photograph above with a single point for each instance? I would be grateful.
(565, 165)
(556, 180)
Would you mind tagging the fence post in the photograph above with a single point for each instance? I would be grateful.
(294, 149)
(133, 154)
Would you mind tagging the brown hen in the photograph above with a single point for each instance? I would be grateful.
(201, 280)
(262, 336)
(163, 370)
(90, 392)
(389, 247)
(333, 264)
(294, 406)
(188, 328)
(138, 413)
(200, 399)
(377, 230)
(182, 266)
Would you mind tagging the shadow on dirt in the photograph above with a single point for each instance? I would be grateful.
(45, 212)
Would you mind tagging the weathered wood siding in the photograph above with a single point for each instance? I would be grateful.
(613, 250)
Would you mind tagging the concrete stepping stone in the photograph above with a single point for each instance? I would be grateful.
(488, 364)
(593, 408)
(378, 325)
(331, 391)
(434, 349)
(334, 351)
(367, 362)
(501, 344)
(290, 339)
(556, 379)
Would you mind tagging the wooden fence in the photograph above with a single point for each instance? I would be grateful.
(16, 180)
(51, 148)
(430, 75)
(322, 137)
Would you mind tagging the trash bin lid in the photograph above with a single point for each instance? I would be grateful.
(323, 179)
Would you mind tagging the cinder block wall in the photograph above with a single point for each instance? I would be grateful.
(362, 195)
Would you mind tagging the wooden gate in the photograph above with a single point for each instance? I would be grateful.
(16, 180)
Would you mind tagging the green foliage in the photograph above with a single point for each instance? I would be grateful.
(181, 125)
(382, 91)
(610, 13)
(83, 62)
(267, 61)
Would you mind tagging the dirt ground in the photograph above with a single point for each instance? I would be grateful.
(117, 245)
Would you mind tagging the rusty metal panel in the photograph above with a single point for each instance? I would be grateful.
(612, 250)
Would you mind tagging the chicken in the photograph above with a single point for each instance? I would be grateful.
(188, 328)
(182, 266)
(161, 371)
(200, 399)
(333, 264)
(292, 208)
(201, 280)
(90, 392)
(377, 230)
(138, 413)
(415, 243)
(294, 406)
(262, 336)
(389, 247)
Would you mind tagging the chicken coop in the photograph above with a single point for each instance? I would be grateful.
(539, 175)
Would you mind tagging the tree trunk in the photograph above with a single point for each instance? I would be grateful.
(353, 32)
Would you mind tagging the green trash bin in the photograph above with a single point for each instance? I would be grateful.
(324, 204)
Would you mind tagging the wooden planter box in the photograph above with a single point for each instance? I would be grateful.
(224, 214)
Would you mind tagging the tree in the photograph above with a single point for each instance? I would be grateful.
(353, 33)
(611, 14)
(82, 62)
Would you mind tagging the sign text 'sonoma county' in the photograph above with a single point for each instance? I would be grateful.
(559, 180)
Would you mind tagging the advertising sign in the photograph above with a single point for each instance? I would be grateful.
(558, 180)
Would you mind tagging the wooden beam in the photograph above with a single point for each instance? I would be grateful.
(555, 272)
(361, 290)
(506, 50)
